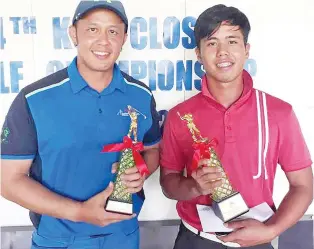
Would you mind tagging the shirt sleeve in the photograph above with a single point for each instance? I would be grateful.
(171, 155)
(18, 137)
(153, 135)
(293, 151)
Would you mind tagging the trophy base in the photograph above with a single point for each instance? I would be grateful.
(230, 208)
(120, 207)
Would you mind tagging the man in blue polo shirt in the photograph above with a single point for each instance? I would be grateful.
(55, 130)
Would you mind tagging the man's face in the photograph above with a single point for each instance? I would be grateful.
(223, 54)
(99, 36)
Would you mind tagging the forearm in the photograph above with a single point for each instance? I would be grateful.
(291, 209)
(179, 187)
(35, 197)
(151, 158)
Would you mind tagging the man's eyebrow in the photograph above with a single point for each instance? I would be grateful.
(233, 36)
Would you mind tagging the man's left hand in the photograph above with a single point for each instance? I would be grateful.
(132, 179)
(249, 232)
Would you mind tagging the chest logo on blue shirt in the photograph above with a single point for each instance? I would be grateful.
(5, 135)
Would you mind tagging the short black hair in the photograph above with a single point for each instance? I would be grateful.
(211, 19)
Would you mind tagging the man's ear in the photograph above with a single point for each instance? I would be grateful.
(73, 34)
(198, 55)
(125, 38)
(247, 50)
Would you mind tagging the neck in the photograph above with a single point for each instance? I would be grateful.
(225, 93)
(95, 79)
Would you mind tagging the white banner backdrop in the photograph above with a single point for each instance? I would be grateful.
(160, 52)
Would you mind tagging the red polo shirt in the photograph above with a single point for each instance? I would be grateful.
(254, 134)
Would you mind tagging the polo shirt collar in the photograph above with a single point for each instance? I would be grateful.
(78, 83)
(247, 85)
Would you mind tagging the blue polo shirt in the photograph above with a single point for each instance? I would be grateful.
(62, 124)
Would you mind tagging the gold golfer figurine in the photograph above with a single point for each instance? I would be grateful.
(196, 134)
(133, 126)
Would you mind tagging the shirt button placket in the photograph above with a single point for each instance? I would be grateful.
(99, 105)
(228, 128)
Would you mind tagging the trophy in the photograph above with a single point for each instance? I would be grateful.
(227, 203)
(120, 201)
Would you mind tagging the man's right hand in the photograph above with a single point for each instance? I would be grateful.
(93, 210)
(207, 178)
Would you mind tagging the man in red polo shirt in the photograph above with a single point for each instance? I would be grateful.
(255, 132)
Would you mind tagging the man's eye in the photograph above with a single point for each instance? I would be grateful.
(212, 44)
(233, 42)
(113, 32)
